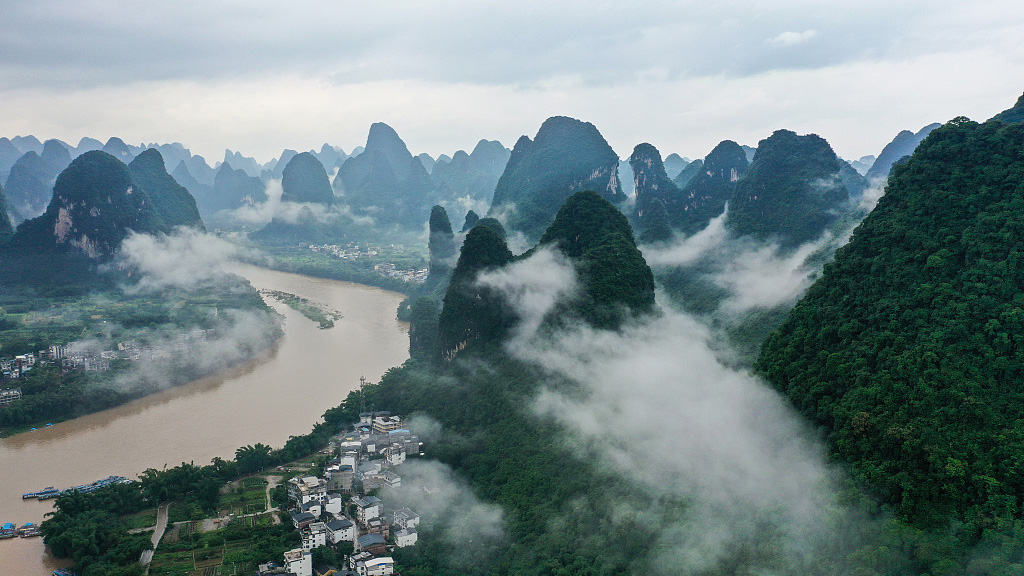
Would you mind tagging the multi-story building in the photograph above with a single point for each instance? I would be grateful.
(9, 396)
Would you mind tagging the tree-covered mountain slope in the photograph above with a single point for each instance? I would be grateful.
(902, 145)
(708, 190)
(909, 350)
(305, 180)
(386, 181)
(172, 201)
(792, 191)
(1013, 115)
(95, 205)
(565, 157)
(6, 229)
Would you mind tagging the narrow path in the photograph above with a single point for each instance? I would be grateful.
(158, 533)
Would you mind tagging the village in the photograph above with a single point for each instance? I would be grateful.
(339, 509)
(71, 357)
(354, 251)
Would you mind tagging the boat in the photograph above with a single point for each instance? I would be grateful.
(7, 530)
(94, 486)
(63, 572)
(42, 494)
(29, 530)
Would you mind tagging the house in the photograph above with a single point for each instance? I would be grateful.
(341, 530)
(9, 396)
(306, 488)
(314, 536)
(339, 478)
(299, 562)
(392, 480)
(372, 543)
(333, 503)
(405, 518)
(384, 566)
(385, 424)
(302, 519)
(395, 454)
(367, 508)
(405, 537)
(378, 526)
(314, 507)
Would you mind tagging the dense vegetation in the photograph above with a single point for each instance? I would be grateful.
(708, 190)
(908, 351)
(792, 191)
(901, 146)
(172, 202)
(305, 180)
(94, 207)
(6, 230)
(565, 157)
(1013, 115)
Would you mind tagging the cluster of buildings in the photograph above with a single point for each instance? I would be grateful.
(353, 251)
(74, 358)
(335, 508)
(388, 270)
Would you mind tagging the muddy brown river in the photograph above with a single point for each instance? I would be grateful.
(279, 394)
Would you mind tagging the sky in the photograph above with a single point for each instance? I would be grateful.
(259, 76)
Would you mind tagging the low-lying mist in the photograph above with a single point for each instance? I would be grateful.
(663, 410)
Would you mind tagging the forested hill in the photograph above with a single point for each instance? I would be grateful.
(565, 157)
(1013, 115)
(95, 205)
(305, 180)
(172, 201)
(909, 350)
(792, 191)
(6, 230)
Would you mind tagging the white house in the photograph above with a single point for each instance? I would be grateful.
(299, 562)
(405, 537)
(406, 518)
(315, 535)
(333, 504)
(307, 488)
(341, 530)
(367, 508)
(383, 566)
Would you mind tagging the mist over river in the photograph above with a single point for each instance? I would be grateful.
(279, 394)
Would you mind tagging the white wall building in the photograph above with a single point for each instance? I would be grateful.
(314, 535)
(383, 566)
(299, 562)
(405, 537)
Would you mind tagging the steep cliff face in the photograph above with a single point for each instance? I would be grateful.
(706, 193)
(95, 205)
(172, 201)
(305, 180)
(792, 192)
(565, 157)
(474, 314)
(652, 183)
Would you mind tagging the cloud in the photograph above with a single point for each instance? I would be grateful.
(533, 286)
(792, 38)
(661, 410)
(448, 507)
(184, 259)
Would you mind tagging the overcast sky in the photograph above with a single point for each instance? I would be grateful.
(260, 76)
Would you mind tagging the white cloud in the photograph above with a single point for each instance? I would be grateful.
(792, 38)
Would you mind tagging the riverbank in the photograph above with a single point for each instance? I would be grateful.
(280, 393)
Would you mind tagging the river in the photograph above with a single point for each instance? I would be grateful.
(282, 393)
